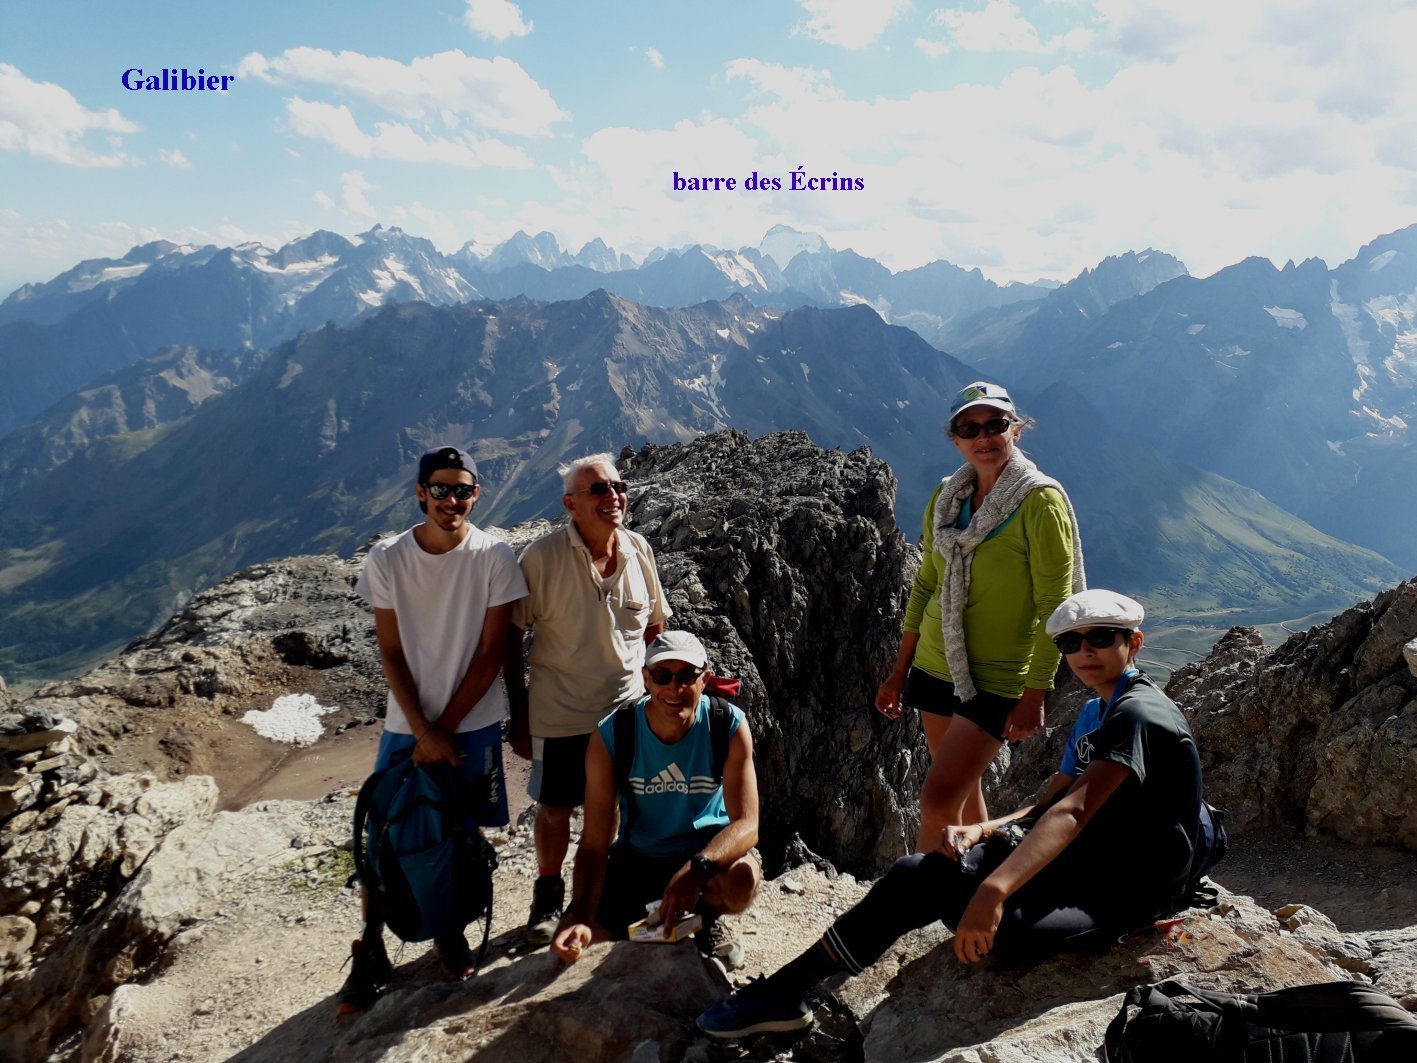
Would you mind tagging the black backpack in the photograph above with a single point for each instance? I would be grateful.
(719, 721)
(1336, 1022)
(428, 872)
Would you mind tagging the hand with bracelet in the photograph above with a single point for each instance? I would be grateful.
(435, 746)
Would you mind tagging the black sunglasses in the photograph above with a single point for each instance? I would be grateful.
(995, 426)
(1099, 638)
(661, 677)
(462, 492)
(604, 487)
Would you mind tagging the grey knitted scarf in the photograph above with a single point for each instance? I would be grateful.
(956, 547)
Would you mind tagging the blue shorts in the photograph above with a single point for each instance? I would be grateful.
(481, 768)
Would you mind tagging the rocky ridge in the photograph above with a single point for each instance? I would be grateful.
(138, 923)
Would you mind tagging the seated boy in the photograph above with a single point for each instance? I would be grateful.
(1107, 845)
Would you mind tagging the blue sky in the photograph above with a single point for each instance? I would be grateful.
(1029, 139)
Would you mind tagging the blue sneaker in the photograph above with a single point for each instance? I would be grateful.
(754, 1010)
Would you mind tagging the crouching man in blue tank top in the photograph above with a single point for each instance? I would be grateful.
(1107, 846)
(687, 796)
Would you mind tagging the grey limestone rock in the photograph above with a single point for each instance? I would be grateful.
(786, 560)
(1319, 733)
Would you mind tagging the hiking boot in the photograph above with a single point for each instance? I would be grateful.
(456, 955)
(548, 897)
(369, 971)
(719, 941)
(755, 1009)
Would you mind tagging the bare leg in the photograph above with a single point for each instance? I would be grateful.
(953, 790)
(935, 728)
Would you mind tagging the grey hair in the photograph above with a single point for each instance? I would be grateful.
(572, 469)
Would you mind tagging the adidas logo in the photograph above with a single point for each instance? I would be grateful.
(671, 781)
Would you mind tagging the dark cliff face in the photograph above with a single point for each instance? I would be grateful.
(786, 560)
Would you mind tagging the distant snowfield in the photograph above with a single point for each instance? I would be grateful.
(292, 718)
(1286, 318)
(1379, 261)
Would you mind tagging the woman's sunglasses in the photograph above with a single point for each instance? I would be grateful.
(995, 426)
(1099, 638)
(462, 492)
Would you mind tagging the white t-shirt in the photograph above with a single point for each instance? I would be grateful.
(440, 601)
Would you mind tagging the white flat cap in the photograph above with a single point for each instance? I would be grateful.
(1095, 608)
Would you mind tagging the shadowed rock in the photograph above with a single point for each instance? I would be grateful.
(786, 560)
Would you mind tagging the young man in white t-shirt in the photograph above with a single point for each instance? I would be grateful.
(442, 593)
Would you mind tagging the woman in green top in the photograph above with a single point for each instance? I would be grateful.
(1000, 552)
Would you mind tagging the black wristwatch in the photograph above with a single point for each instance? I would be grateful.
(703, 867)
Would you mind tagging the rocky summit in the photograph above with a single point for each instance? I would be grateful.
(141, 922)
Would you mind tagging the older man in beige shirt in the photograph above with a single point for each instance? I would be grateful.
(595, 602)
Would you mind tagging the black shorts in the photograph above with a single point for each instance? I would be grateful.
(634, 879)
(558, 771)
(924, 692)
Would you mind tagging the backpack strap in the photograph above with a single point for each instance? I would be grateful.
(361, 817)
(720, 734)
(625, 740)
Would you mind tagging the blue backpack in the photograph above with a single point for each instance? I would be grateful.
(428, 871)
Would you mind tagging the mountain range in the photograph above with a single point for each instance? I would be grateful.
(1194, 421)
(104, 314)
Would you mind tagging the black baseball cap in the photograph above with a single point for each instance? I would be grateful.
(445, 458)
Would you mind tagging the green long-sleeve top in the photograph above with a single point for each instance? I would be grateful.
(1017, 577)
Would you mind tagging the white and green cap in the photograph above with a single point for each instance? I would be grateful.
(981, 393)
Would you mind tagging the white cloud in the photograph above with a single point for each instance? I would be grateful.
(395, 140)
(174, 158)
(353, 194)
(1259, 136)
(495, 20)
(849, 24)
(997, 27)
(787, 83)
(655, 58)
(324, 199)
(43, 119)
(496, 94)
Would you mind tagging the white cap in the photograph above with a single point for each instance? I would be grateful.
(1095, 608)
(677, 646)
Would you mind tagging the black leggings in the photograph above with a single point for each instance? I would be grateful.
(1043, 917)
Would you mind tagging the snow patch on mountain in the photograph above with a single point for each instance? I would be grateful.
(738, 269)
(1350, 325)
(1284, 317)
(1377, 262)
(292, 718)
(1192, 330)
(107, 275)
